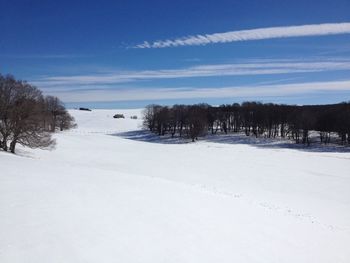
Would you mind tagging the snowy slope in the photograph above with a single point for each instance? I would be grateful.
(105, 195)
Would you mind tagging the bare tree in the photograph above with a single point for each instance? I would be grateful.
(198, 122)
(65, 121)
(253, 118)
(53, 108)
(25, 119)
(8, 89)
(149, 117)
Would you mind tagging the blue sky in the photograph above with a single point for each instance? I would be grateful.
(132, 53)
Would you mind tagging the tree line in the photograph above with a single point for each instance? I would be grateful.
(253, 118)
(27, 117)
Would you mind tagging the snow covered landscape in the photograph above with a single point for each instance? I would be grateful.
(111, 193)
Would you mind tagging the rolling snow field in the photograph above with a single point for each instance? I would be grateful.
(110, 192)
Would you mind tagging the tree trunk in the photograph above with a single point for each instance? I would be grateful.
(13, 146)
(3, 144)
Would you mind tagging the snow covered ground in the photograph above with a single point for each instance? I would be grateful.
(111, 193)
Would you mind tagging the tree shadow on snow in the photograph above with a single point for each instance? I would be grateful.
(242, 139)
(275, 143)
(146, 136)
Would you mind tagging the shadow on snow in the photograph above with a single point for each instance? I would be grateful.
(260, 142)
(147, 136)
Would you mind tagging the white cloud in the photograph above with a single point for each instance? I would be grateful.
(256, 67)
(254, 92)
(252, 34)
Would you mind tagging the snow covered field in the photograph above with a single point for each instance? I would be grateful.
(110, 193)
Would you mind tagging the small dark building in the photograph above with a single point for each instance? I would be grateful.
(118, 116)
(86, 109)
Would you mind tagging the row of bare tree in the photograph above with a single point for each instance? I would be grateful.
(27, 117)
(252, 118)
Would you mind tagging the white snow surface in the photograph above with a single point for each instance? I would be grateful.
(108, 193)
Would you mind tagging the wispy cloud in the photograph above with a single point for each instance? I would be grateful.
(251, 34)
(254, 92)
(254, 67)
